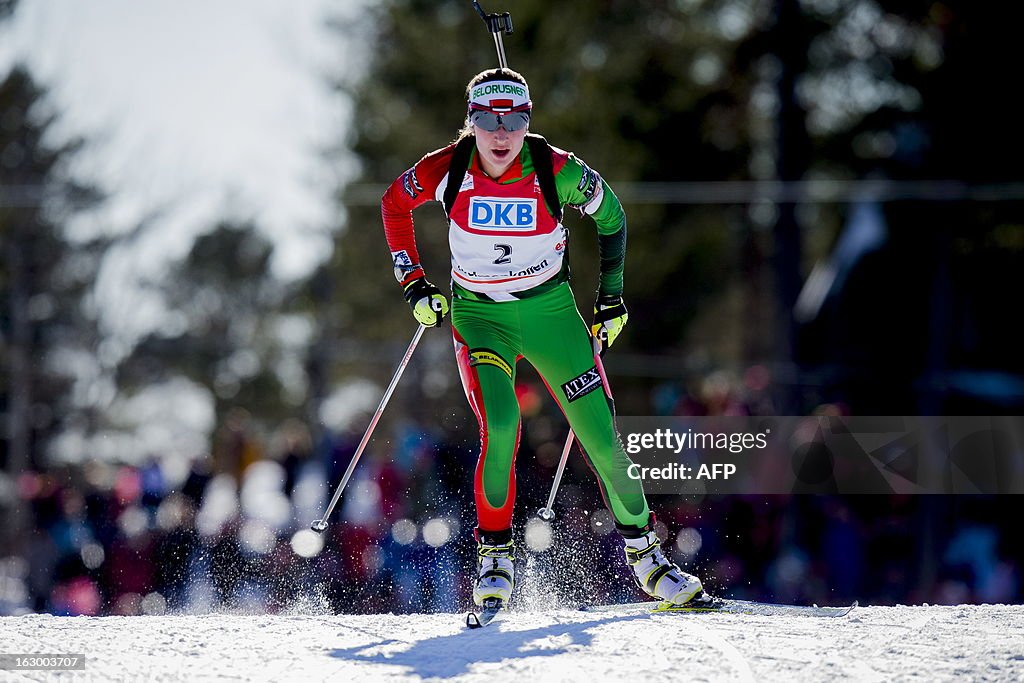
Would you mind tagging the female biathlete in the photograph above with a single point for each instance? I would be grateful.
(511, 299)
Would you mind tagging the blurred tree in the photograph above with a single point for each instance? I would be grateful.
(7, 8)
(227, 314)
(916, 91)
(48, 330)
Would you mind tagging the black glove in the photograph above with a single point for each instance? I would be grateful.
(610, 317)
(429, 306)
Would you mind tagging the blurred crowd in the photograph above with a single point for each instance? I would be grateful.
(230, 530)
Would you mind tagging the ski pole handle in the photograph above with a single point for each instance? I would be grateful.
(320, 525)
(496, 23)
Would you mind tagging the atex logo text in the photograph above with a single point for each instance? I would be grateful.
(501, 213)
(582, 385)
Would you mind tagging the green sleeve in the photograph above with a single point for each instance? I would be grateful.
(583, 188)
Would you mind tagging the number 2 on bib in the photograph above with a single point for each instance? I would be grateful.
(506, 254)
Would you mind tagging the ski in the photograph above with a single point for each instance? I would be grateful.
(766, 609)
(486, 615)
(726, 605)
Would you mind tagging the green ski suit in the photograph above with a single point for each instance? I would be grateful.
(504, 309)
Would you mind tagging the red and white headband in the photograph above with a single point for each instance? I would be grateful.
(500, 96)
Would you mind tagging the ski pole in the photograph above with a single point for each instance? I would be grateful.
(496, 23)
(547, 513)
(320, 525)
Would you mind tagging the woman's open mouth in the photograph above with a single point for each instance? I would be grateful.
(500, 153)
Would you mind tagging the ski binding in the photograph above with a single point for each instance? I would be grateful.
(489, 610)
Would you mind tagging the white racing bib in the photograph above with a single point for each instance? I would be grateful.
(502, 237)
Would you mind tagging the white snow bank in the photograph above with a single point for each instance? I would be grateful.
(871, 644)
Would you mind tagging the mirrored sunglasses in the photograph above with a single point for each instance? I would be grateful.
(489, 121)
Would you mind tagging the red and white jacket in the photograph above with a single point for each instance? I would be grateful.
(502, 237)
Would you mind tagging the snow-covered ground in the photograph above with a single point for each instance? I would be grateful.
(871, 644)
